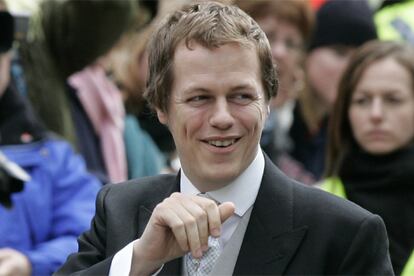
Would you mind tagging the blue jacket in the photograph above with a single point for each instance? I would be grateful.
(56, 205)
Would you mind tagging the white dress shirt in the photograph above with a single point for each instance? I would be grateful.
(242, 192)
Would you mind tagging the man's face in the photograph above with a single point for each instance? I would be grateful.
(216, 112)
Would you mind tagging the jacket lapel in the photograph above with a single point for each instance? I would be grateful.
(270, 240)
(163, 190)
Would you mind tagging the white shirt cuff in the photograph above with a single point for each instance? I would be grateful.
(121, 263)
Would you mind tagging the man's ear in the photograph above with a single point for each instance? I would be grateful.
(162, 116)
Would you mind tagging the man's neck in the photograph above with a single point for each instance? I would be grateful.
(242, 190)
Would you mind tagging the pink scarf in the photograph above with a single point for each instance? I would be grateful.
(103, 104)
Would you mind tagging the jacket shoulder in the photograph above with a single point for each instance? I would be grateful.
(141, 191)
(310, 204)
(319, 203)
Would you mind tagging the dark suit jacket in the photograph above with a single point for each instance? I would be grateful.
(293, 229)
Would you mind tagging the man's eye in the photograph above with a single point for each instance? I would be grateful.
(242, 99)
(197, 98)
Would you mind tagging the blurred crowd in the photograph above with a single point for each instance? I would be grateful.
(73, 114)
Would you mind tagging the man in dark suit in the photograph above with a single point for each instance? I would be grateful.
(211, 79)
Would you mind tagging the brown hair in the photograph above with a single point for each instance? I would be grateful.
(211, 24)
(297, 12)
(340, 136)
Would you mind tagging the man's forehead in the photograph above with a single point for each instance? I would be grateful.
(194, 49)
(227, 67)
(229, 57)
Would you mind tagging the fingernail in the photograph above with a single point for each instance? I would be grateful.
(215, 232)
(204, 247)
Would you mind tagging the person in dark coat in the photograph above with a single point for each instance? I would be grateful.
(229, 210)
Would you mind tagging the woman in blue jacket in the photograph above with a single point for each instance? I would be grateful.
(38, 225)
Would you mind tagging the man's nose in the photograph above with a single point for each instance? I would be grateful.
(221, 116)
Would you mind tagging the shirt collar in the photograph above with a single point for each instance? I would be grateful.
(242, 191)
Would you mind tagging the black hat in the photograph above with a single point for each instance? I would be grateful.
(343, 22)
(6, 31)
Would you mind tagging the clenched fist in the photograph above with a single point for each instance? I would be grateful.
(178, 225)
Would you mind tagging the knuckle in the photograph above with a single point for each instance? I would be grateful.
(200, 216)
(211, 204)
(178, 225)
(170, 201)
(159, 208)
(165, 201)
(190, 221)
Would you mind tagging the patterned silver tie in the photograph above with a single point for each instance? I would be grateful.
(205, 264)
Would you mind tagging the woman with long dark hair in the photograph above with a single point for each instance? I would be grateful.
(370, 153)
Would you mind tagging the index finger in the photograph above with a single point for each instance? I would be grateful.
(213, 214)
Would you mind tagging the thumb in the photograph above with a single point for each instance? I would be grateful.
(226, 210)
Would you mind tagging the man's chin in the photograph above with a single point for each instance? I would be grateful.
(221, 178)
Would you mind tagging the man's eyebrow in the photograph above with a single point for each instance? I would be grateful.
(195, 89)
(242, 86)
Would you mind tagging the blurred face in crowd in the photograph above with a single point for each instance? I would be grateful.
(216, 112)
(324, 66)
(287, 47)
(5, 59)
(381, 112)
(4, 72)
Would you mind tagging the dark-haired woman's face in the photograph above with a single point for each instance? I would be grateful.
(381, 111)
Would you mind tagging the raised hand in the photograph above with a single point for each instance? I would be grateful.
(178, 225)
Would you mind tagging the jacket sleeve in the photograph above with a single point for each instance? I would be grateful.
(368, 253)
(73, 196)
(91, 257)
